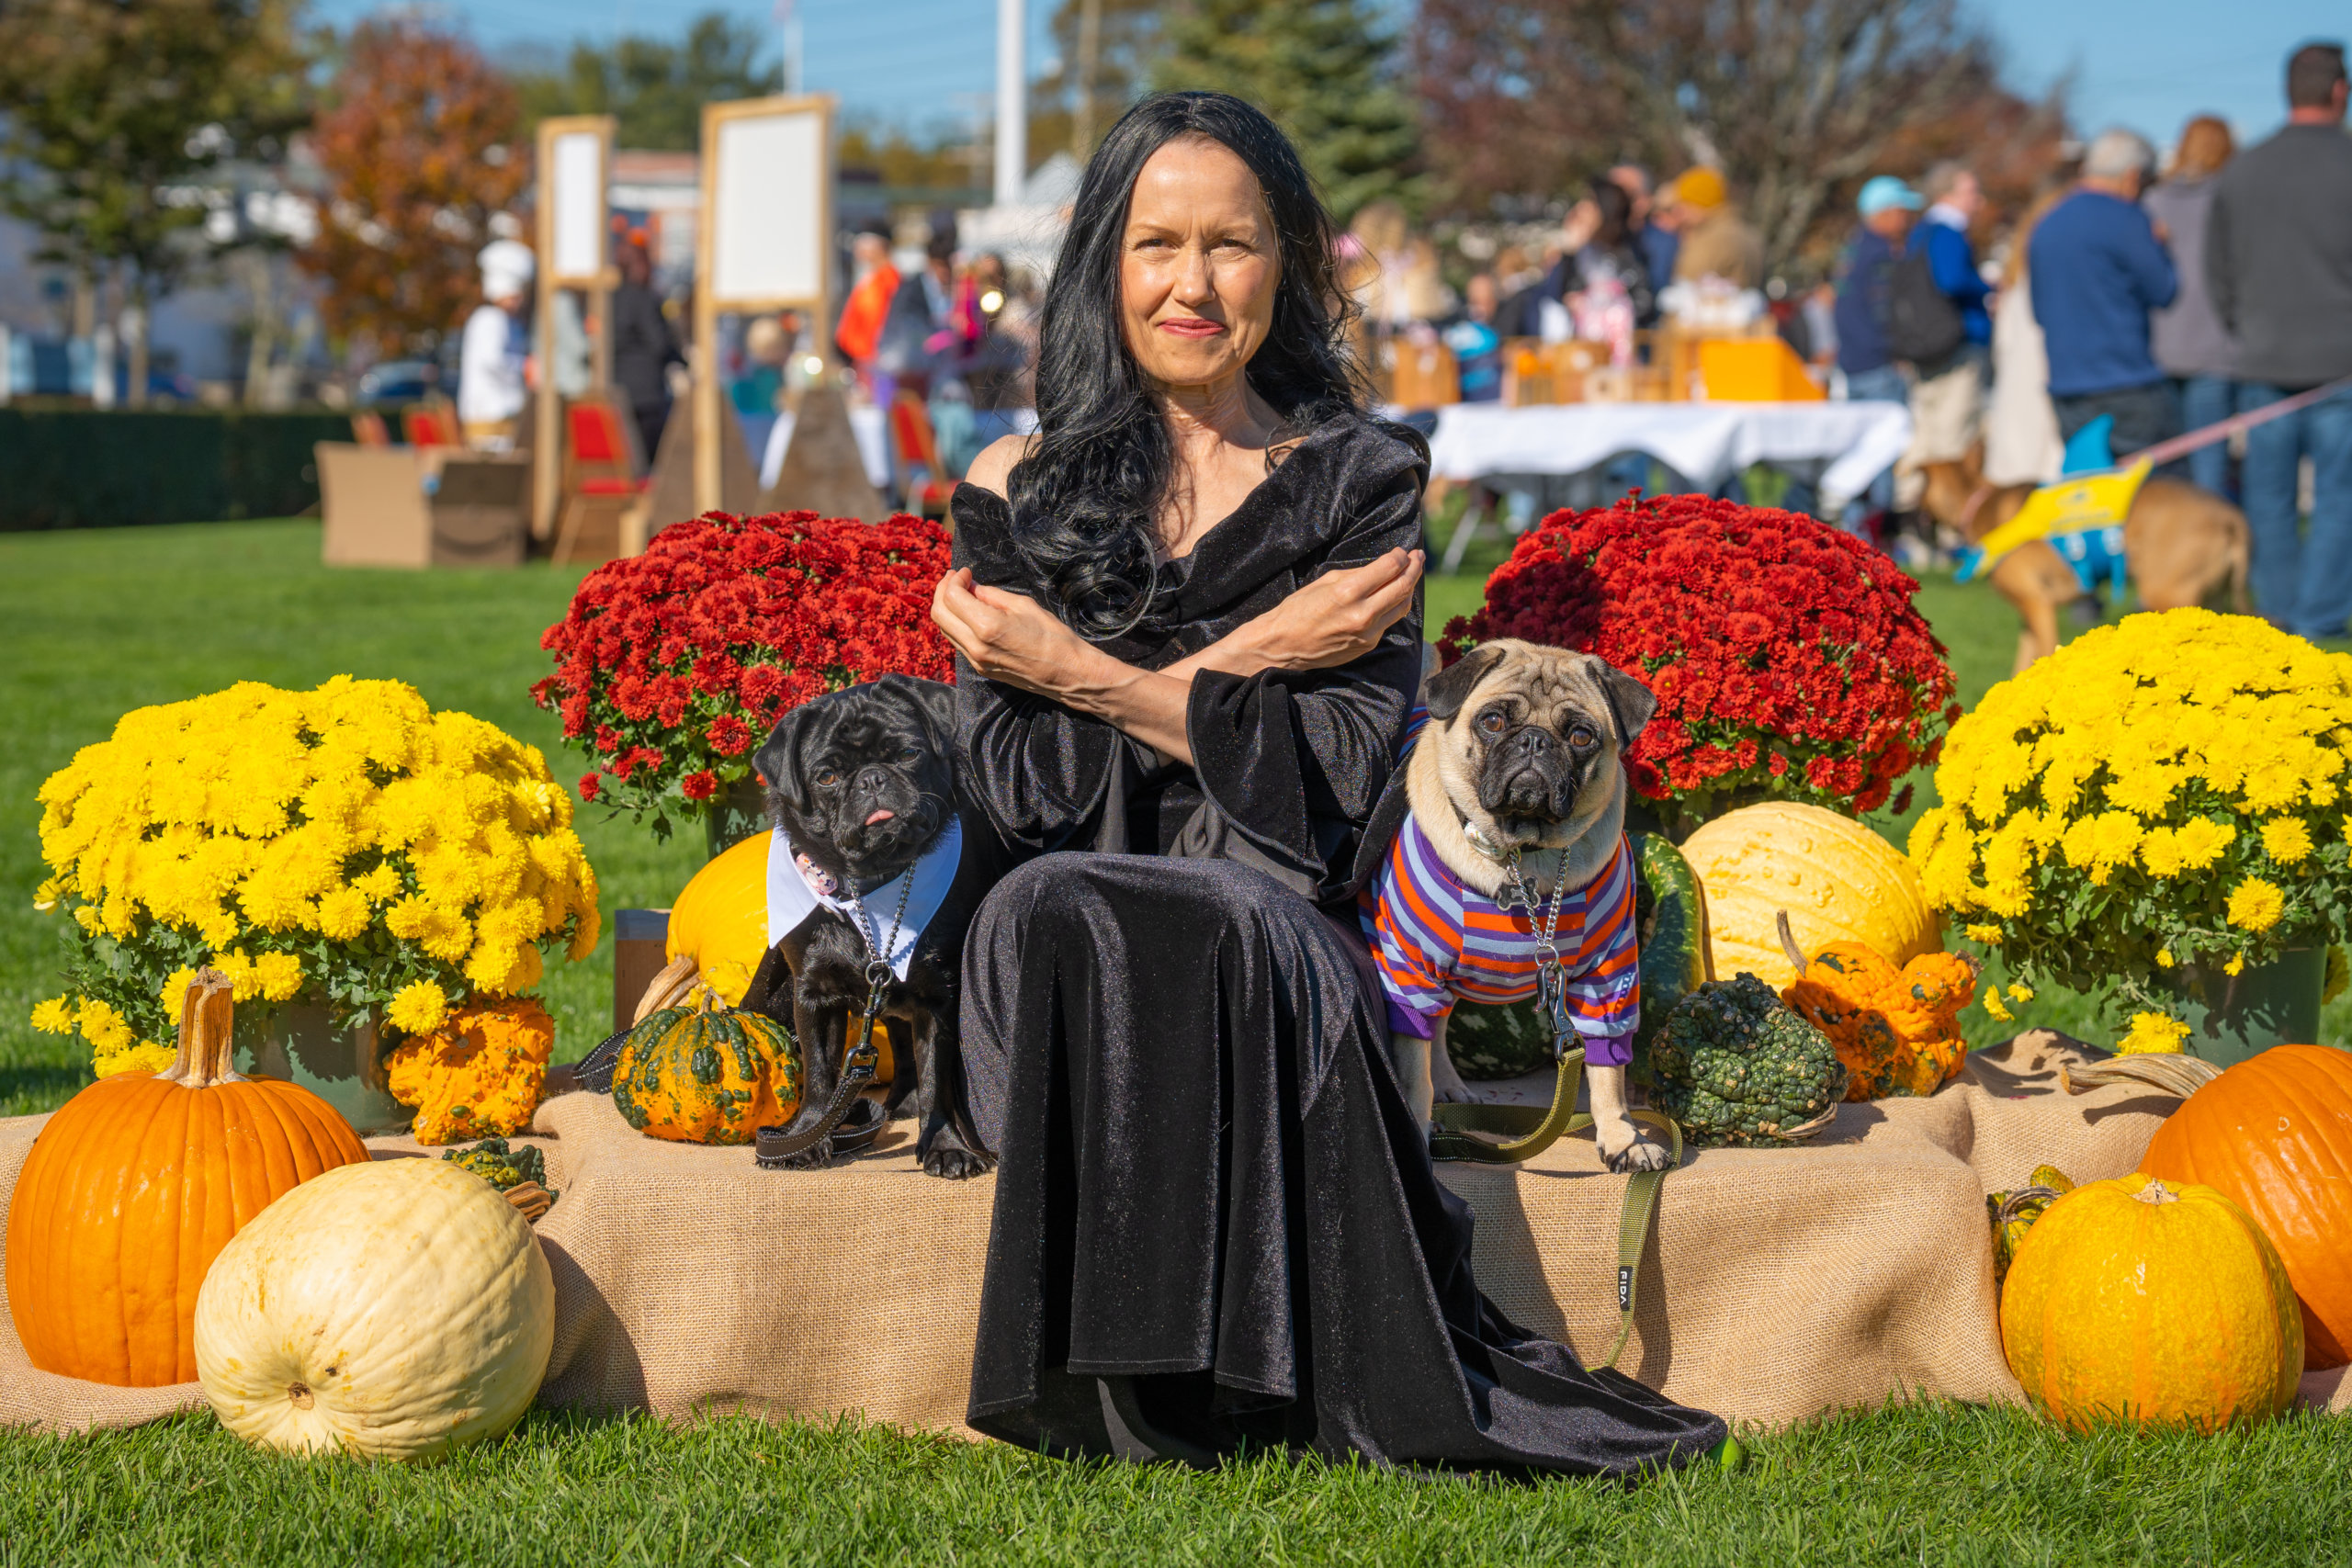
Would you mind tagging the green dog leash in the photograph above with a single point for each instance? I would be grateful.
(1524, 1132)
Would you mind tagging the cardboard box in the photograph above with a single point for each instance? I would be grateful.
(1536, 373)
(1426, 376)
(420, 506)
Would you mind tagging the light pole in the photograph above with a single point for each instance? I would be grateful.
(791, 41)
(1011, 101)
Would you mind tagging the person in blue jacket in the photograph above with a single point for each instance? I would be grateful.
(1955, 198)
(1866, 279)
(2099, 266)
(1886, 206)
(1948, 398)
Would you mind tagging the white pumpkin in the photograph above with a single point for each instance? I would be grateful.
(397, 1311)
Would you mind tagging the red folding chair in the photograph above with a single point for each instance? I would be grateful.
(430, 424)
(600, 482)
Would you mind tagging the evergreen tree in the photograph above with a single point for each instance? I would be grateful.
(1321, 68)
(655, 87)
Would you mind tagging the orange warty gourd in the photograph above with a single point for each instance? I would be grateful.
(2137, 1301)
(2273, 1134)
(1897, 1030)
(135, 1186)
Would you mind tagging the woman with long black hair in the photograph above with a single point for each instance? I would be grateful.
(1188, 622)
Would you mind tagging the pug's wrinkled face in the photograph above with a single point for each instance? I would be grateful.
(860, 779)
(1533, 738)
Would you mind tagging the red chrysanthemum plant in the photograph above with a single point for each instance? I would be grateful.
(673, 666)
(1787, 659)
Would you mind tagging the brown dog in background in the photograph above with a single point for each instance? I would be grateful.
(2184, 546)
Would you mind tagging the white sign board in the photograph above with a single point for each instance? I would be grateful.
(577, 190)
(769, 201)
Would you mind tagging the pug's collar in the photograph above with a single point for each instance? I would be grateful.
(1485, 843)
(1540, 866)
(793, 893)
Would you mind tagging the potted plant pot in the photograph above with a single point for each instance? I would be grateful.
(2232, 1017)
(734, 815)
(343, 1064)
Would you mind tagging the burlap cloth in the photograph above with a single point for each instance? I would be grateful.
(1780, 1284)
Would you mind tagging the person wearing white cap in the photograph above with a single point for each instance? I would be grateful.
(493, 357)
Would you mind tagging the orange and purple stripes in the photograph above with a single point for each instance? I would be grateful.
(1436, 940)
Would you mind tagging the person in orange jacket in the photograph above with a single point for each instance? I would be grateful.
(859, 334)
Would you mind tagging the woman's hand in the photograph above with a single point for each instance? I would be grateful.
(1011, 637)
(1334, 620)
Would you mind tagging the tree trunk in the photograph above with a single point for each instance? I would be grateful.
(134, 330)
(1089, 60)
(254, 270)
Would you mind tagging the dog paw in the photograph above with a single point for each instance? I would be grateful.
(957, 1164)
(818, 1158)
(1640, 1154)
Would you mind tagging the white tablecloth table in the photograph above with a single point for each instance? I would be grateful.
(1705, 443)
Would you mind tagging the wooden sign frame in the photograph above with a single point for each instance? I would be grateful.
(546, 410)
(710, 303)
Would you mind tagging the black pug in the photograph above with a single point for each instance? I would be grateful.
(862, 781)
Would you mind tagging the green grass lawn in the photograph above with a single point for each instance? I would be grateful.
(102, 622)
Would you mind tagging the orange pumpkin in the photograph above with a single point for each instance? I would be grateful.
(137, 1183)
(2274, 1133)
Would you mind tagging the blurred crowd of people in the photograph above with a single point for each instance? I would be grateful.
(2140, 300)
(956, 336)
(1625, 254)
(2135, 300)
(950, 337)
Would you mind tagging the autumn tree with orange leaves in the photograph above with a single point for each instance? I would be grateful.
(418, 139)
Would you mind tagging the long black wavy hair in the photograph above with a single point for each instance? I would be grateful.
(1085, 497)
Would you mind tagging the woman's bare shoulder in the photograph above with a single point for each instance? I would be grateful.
(990, 469)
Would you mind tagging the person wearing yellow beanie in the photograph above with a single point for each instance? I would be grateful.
(1716, 241)
(1700, 189)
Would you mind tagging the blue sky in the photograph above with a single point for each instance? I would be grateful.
(2147, 63)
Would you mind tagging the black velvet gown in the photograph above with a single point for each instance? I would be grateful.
(1215, 1222)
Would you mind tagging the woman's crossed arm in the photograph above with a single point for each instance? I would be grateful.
(1333, 621)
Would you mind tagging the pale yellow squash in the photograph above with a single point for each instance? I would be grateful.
(1838, 881)
(396, 1310)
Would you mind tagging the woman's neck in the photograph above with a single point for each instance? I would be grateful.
(1202, 419)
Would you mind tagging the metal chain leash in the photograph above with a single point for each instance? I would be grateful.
(1551, 971)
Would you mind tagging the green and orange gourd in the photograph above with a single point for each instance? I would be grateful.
(707, 1073)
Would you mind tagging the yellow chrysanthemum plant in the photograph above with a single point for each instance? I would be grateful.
(2163, 792)
(345, 845)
